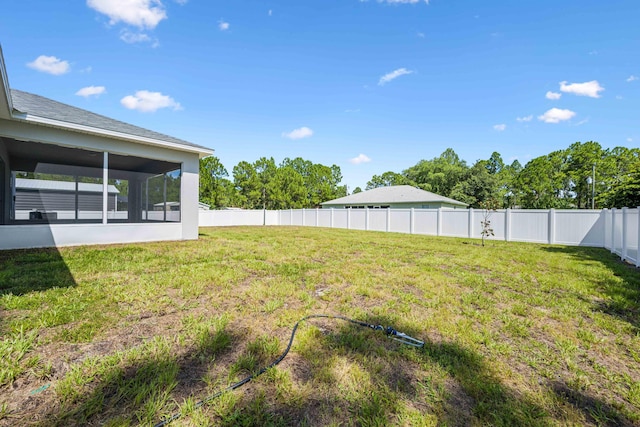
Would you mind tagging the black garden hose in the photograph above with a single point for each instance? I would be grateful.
(389, 331)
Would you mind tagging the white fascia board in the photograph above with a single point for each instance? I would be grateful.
(30, 118)
(6, 104)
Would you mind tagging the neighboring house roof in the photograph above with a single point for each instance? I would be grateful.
(24, 106)
(392, 195)
(51, 185)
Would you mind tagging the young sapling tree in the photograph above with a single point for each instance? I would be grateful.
(488, 207)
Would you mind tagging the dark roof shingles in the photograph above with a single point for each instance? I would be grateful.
(40, 106)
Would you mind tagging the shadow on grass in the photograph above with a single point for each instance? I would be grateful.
(593, 409)
(139, 391)
(623, 289)
(31, 270)
(135, 390)
(24, 271)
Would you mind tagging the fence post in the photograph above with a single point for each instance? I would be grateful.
(366, 219)
(303, 224)
(552, 226)
(412, 221)
(388, 227)
(638, 245)
(348, 219)
(439, 222)
(507, 225)
(613, 230)
(624, 233)
(331, 219)
(317, 217)
(470, 223)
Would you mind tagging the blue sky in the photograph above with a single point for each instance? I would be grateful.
(370, 85)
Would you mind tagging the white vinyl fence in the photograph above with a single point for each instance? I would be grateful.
(617, 229)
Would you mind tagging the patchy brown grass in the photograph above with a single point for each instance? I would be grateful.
(515, 334)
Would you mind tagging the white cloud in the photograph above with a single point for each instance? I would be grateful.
(50, 64)
(270, 12)
(223, 26)
(591, 89)
(525, 118)
(181, 2)
(556, 115)
(303, 132)
(131, 37)
(421, 35)
(393, 75)
(553, 95)
(632, 79)
(629, 139)
(91, 91)
(501, 127)
(362, 158)
(139, 13)
(619, 97)
(146, 101)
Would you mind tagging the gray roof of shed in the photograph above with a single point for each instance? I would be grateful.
(393, 194)
(36, 105)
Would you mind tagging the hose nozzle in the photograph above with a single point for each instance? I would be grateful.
(403, 338)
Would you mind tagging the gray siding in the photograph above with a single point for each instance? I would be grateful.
(58, 201)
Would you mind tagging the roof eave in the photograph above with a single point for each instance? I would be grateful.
(6, 104)
(30, 118)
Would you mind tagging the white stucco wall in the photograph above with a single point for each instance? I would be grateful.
(40, 236)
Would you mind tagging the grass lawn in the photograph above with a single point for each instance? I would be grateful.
(515, 333)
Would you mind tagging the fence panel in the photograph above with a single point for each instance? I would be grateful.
(496, 223)
(631, 240)
(426, 221)
(400, 221)
(324, 217)
(455, 222)
(530, 225)
(616, 231)
(358, 219)
(584, 228)
(378, 219)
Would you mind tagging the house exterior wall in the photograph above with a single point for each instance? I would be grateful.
(19, 236)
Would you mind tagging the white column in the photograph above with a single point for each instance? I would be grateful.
(331, 219)
(507, 225)
(439, 223)
(105, 186)
(317, 217)
(470, 223)
(348, 219)
(303, 217)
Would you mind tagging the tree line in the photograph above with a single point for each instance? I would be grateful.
(578, 177)
(292, 184)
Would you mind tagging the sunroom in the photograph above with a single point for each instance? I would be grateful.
(69, 177)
